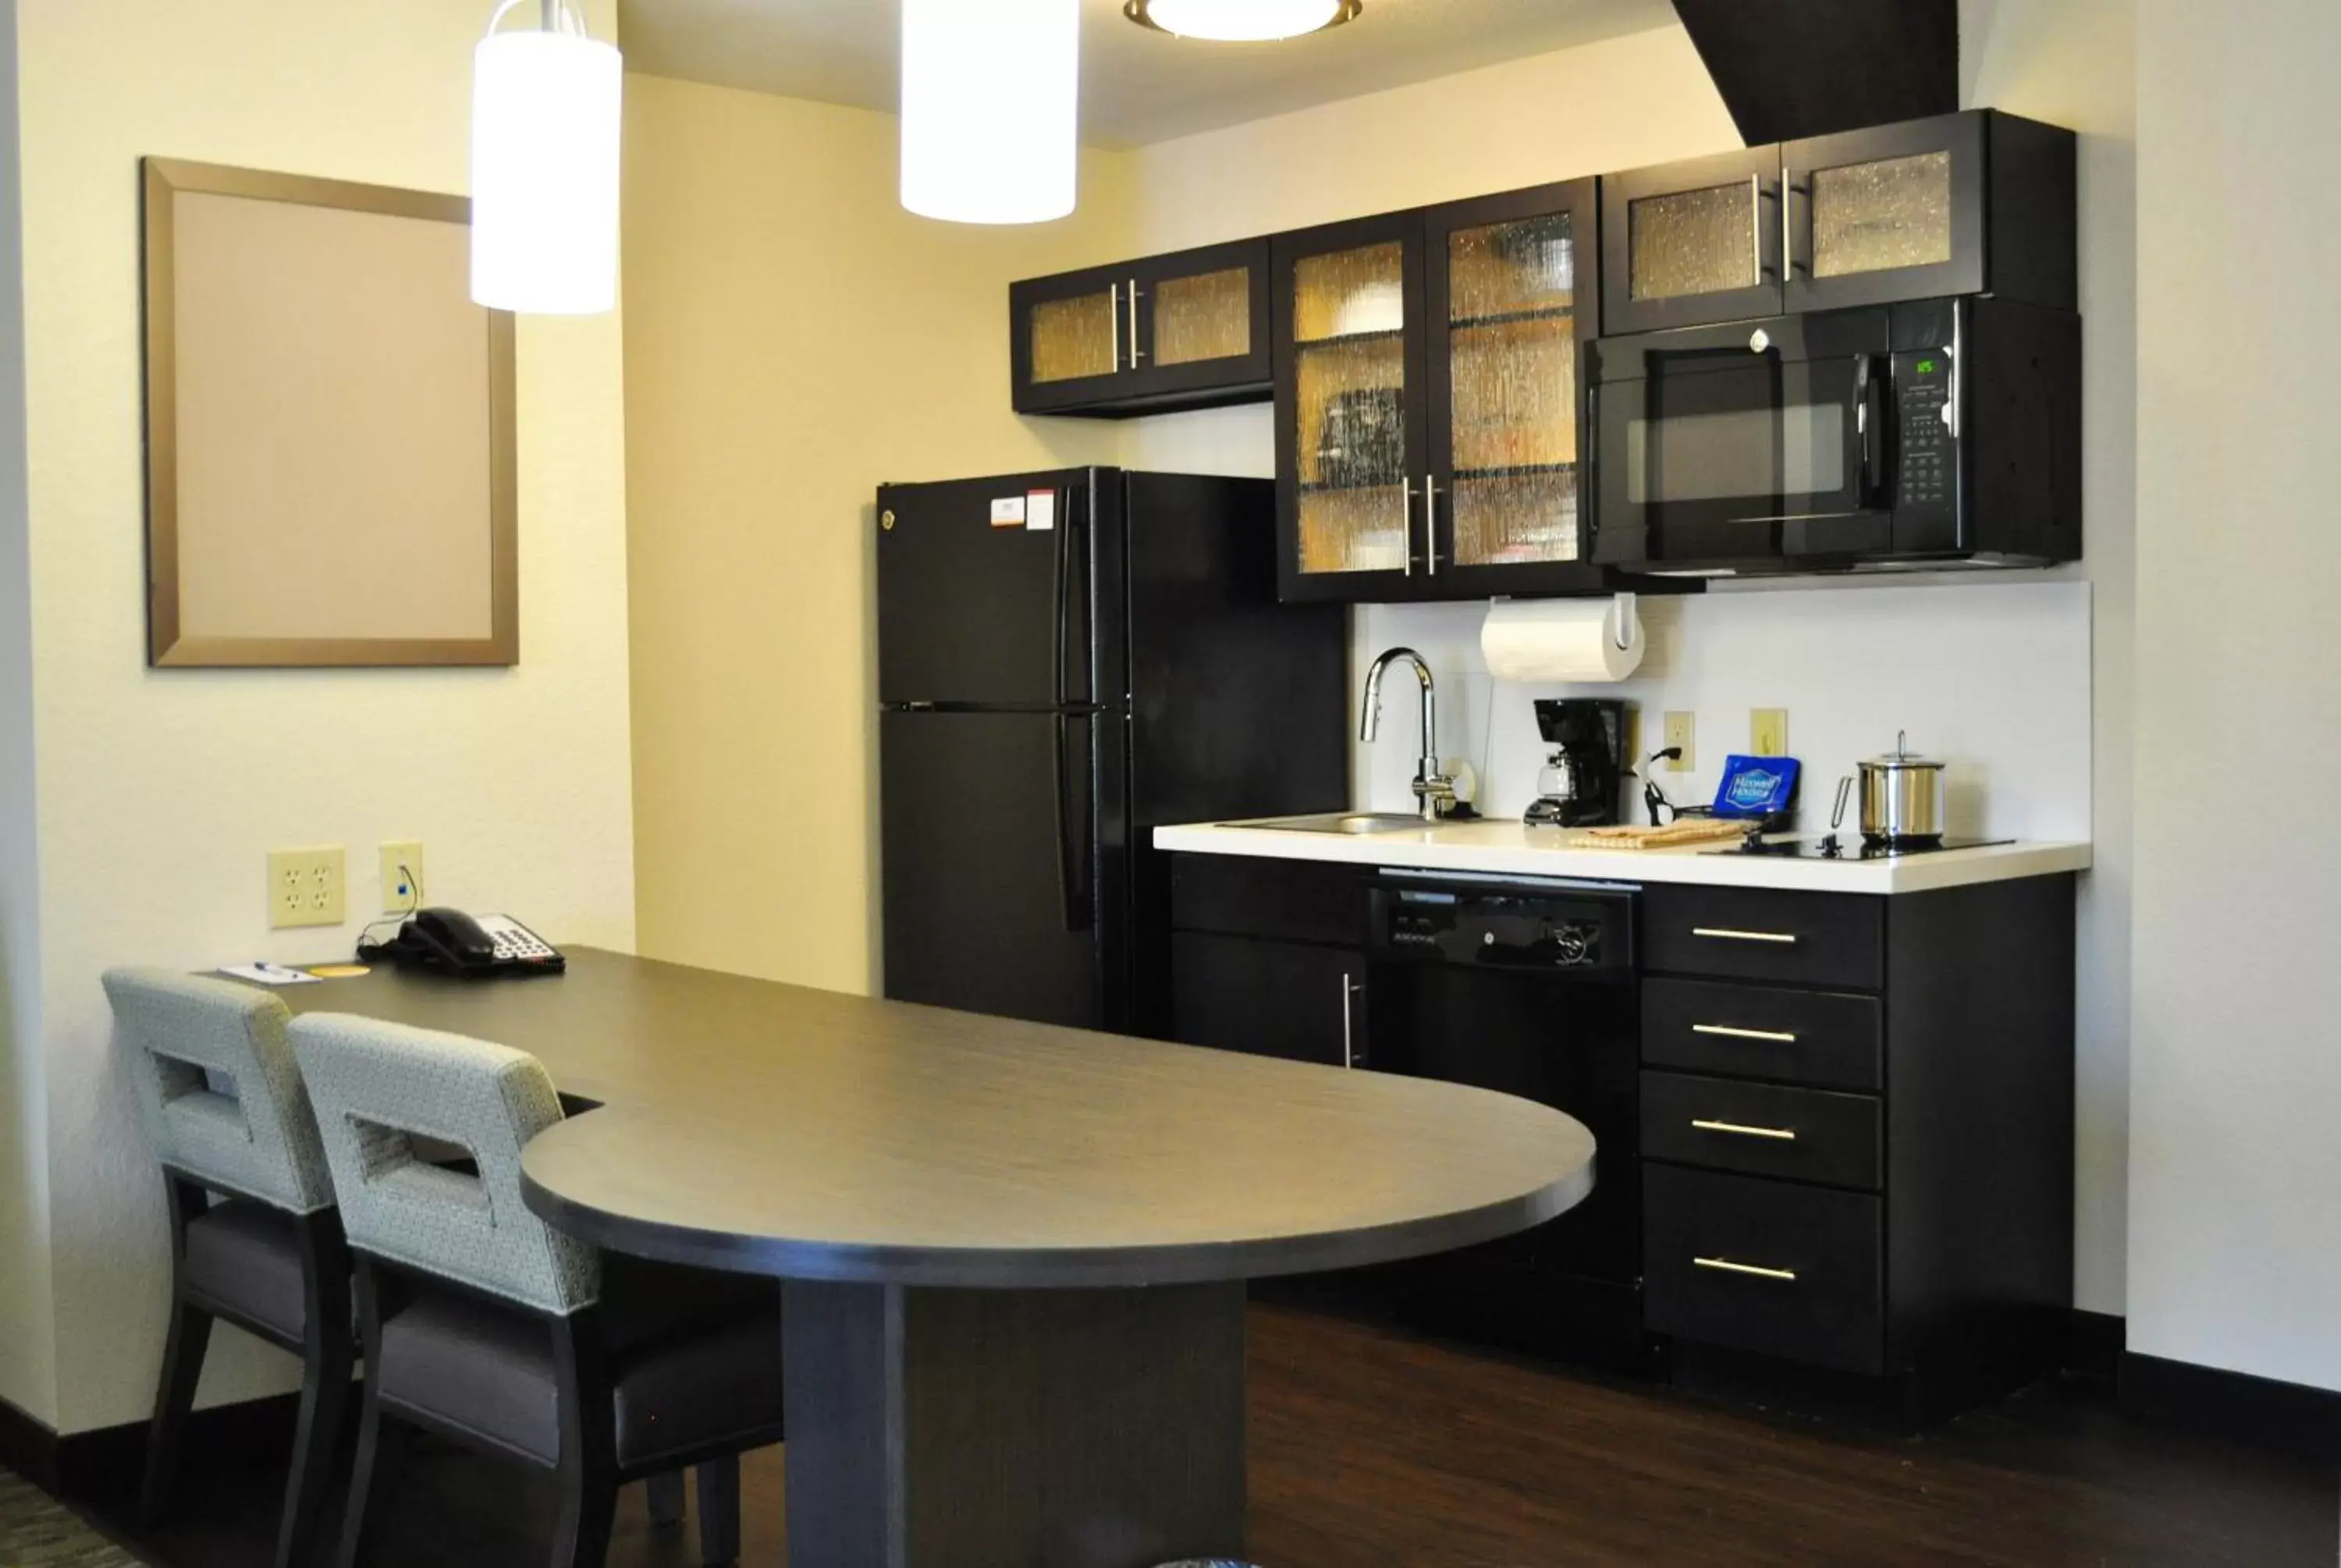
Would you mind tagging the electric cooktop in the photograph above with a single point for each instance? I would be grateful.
(1850, 847)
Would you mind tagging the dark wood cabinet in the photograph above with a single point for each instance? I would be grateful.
(1974, 203)
(1269, 999)
(1857, 1137)
(1188, 330)
(1268, 957)
(1428, 419)
(1850, 1134)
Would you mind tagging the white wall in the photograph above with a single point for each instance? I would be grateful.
(161, 791)
(1852, 665)
(1647, 99)
(27, 1329)
(2236, 1167)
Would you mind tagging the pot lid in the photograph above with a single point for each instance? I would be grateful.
(1902, 755)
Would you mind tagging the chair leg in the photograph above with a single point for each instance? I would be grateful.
(324, 1402)
(719, 1511)
(589, 1506)
(666, 1499)
(175, 1398)
(382, 1449)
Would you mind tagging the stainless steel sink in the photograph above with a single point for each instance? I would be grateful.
(1350, 822)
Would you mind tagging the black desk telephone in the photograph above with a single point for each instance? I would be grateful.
(458, 944)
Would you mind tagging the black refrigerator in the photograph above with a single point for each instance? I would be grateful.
(1067, 660)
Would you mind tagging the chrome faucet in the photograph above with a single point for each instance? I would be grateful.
(1434, 792)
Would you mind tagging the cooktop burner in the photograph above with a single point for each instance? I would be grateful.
(1850, 847)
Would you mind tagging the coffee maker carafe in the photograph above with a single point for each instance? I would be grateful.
(1578, 787)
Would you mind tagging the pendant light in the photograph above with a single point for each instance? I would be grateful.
(990, 96)
(1241, 21)
(544, 165)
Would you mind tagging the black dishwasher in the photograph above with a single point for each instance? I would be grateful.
(1526, 986)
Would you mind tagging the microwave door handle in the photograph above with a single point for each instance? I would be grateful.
(1870, 413)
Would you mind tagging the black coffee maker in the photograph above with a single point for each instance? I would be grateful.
(1581, 779)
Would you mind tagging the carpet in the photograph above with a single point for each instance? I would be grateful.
(38, 1532)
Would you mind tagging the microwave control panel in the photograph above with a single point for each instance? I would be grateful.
(1929, 470)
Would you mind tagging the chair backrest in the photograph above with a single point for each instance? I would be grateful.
(223, 1101)
(377, 1088)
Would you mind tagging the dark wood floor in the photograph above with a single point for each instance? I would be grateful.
(1371, 1449)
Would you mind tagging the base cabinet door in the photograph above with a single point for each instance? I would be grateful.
(1288, 999)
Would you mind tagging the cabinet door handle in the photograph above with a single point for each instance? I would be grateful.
(1730, 1031)
(1788, 244)
(1786, 1135)
(1756, 224)
(1760, 1272)
(1349, 1021)
(1408, 513)
(1726, 934)
(1430, 523)
(1136, 353)
(1113, 313)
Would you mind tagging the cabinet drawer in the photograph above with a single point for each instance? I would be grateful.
(1763, 1130)
(1823, 1037)
(1289, 901)
(1764, 1265)
(1763, 934)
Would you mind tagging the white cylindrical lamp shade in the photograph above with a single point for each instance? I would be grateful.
(545, 173)
(990, 105)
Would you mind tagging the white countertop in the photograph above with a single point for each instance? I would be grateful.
(1511, 848)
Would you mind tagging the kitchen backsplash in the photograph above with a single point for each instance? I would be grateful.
(1992, 677)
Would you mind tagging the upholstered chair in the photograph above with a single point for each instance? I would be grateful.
(485, 1326)
(254, 1239)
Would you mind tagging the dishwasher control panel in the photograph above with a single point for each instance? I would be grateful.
(1588, 931)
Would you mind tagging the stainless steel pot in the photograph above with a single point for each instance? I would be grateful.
(1901, 796)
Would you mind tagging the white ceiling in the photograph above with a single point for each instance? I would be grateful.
(1137, 85)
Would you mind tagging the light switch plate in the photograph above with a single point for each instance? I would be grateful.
(1682, 730)
(1767, 733)
(401, 876)
(304, 886)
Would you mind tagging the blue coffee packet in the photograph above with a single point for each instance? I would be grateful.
(1755, 787)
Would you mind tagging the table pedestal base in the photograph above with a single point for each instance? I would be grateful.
(931, 1428)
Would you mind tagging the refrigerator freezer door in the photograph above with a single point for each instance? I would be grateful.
(976, 606)
(996, 900)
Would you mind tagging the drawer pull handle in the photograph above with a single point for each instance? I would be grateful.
(1786, 1135)
(1725, 934)
(1727, 1266)
(1730, 1032)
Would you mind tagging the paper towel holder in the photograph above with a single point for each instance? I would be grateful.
(1624, 636)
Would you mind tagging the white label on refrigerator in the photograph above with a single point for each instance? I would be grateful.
(1008, 511)
(1041, 510)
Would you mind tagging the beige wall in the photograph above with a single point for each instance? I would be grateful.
(161, 791)
(2073, 63)
(793, 338)
(27, 1319)
(2236, 1170)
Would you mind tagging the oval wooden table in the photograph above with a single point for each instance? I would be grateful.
(1015, 1253)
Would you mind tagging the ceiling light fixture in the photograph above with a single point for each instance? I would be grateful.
(544, 166)
(1241, 21)
(990, 100)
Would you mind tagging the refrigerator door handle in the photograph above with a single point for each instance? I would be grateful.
(1073, 869)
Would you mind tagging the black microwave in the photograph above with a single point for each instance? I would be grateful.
(1935, 432)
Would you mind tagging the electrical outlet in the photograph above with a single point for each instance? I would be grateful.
(304, 886)
(1768, 731)
(401, 876)
(1682, 732)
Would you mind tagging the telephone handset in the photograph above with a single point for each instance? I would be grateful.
(461, 944)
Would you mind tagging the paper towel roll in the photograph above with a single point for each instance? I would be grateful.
(1544, 640)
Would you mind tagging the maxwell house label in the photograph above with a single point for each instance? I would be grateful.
(1756, 786)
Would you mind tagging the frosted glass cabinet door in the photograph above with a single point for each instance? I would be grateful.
(1691, 243)
(1349, 410)
(1896, 213)
(1188, 330)
(1512, 294)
